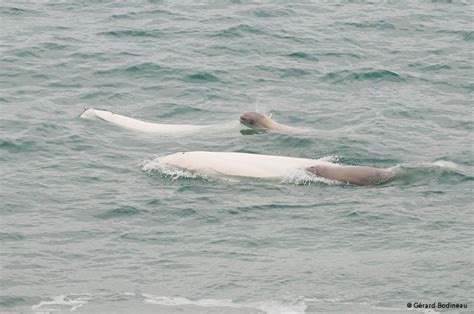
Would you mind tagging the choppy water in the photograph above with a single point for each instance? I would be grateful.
(88, 225)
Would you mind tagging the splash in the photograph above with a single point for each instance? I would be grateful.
(446, 164)
(303, 177)
(154, 165)
(59, 302)
(262, 109)
(269, 307)
(443, 164)
(333, 159)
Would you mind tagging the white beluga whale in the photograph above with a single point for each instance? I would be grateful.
(271, 167)
(149, 127)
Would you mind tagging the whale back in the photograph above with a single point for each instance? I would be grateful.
(139, 125)
(238, 164)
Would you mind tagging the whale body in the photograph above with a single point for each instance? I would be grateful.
(239, 164)
(142, 126)
(273, 167)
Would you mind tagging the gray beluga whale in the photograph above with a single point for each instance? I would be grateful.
(148, 127)
(260, 121)
(271, 167)
(358, 175)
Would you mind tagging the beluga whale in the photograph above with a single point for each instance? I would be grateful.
(148, 127)
(259, 121)
(272, 167)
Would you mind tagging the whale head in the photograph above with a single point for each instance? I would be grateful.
(358, 175)
(254, 120)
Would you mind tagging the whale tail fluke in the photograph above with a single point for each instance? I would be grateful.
(88, 113)
(94, 113)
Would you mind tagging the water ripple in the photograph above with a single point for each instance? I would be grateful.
(238, 31)
(15, 11)
(379, 84)
(201, 78)
(132, 33)
(119, 212)
(303, 55)
(382, 25)
(12, 236)
(367, 74)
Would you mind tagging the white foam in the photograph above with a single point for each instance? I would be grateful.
(262, 109)
(269, 307)
(129, 294)
(437, 164)
(303, 177)
(333, 159)
(446, 164)
(73, 301)
(154, 164)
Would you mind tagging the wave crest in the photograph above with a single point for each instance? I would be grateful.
(269, 307)
(375, 75)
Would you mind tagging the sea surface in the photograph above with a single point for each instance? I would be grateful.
(90, 223)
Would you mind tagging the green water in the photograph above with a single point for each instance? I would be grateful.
(86, 228)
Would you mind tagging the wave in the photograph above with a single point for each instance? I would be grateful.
(72, 302)
(430, 68)
(144, 69)
(22, 53)
(377, 25)
(120, 212)
(446, 83)
(155, 33)
(9, 301)
(464, 34)
(18, 146)
(303, 55)
(13, 11)
(53, 46)
(238, 31)
(440, 164)
(150, 69)
(299, 305)
(60, 302)
(283, 72)
(341, 55)
(366, 74)
(11, 236)
(269, 13)
(142, 14)
(269, 307)
(201, 77)
(442, 171)
(468, 36)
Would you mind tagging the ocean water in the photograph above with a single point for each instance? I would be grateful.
(90, 223)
